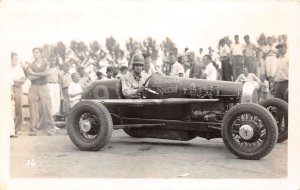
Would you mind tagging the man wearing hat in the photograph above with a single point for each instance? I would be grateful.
(281, 79)
(132, 82)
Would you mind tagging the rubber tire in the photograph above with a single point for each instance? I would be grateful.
(103, 116)
(267, 119)
(283, 105)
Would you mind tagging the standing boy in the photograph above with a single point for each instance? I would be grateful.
(74, 89)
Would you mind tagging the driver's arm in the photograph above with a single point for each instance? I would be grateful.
(128, 91)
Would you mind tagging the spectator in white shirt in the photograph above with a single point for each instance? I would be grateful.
(210, 72)
(182, 59)
(249, 53)
(177, 69)
(109, 72)
(53, 84)
(100, 75)
(186, 66)
(225, 60)
(281, 79)
(236, 57)
(74, 89)
(249, 77)
(215, 59)
(84, 78)
(200, 56)
(147, 68)
(271, 59)
(150, 66)
(18, 81)
(264, 89)
(123, 71)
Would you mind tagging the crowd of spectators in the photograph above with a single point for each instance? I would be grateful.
(264, 63)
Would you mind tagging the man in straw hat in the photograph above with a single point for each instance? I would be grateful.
(132, 82)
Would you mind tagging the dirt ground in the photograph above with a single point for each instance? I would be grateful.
(125, 157)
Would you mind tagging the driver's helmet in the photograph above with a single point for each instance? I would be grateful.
(137, 59)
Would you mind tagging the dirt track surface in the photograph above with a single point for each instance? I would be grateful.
(125, 157)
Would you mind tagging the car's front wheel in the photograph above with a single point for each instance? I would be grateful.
(249, 131)
(89, 125)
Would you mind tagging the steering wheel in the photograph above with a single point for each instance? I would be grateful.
(153, 74)
(147, 80)
(148, 89)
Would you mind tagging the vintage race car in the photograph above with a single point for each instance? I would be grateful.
(180, 109)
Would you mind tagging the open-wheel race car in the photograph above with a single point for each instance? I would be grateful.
(180, 109)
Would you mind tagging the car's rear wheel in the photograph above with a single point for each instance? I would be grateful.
(89, 125)
(279, 109)
(249, 131)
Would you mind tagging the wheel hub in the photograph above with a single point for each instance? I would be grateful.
(246, 132)
(85, 125)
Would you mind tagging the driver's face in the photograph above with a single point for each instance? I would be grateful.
(138, 69)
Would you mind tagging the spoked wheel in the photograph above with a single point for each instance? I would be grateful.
(89, 125)
(249, 131)
(279, 109)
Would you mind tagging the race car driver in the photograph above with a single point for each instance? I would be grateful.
(132, 82)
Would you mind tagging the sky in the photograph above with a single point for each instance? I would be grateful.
(192, 24)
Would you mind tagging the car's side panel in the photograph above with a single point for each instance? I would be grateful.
(176, 87)
(167, 87)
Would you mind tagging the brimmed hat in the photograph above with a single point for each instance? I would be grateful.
(280, 45)
(137, 59)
